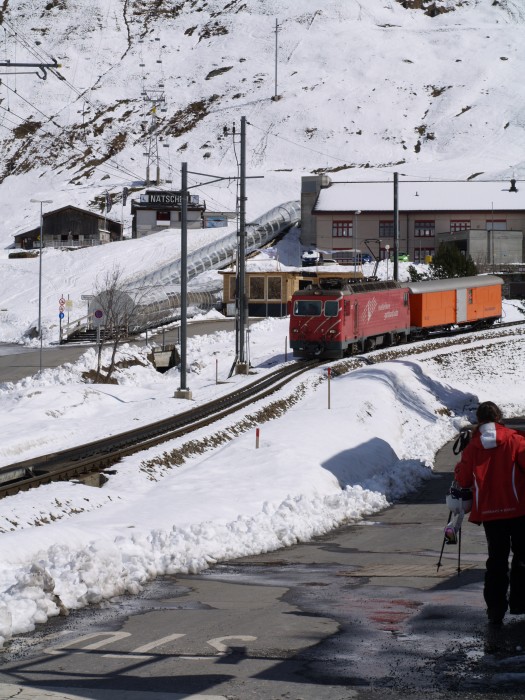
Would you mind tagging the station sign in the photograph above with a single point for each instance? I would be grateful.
(166, 199)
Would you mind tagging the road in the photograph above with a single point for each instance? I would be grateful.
(17, 362)
(359, 613)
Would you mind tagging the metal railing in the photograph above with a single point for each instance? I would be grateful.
(221, 252)
(156, 296)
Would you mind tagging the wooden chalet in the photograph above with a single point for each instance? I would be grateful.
(70, 227)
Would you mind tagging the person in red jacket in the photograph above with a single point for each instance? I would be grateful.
(493, 465)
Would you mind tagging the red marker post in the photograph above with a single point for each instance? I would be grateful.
(257, 432)
(329, 374)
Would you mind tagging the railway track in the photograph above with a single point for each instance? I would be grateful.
(103, 453)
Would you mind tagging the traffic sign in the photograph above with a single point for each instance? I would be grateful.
(62, 301)
(98, 317)
(61, 314)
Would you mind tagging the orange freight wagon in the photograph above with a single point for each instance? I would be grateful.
(457, 301)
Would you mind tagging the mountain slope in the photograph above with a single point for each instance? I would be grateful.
(428, 89)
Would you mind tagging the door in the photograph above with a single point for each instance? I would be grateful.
(461, 305)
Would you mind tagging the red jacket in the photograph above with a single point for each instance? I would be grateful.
(493, 465)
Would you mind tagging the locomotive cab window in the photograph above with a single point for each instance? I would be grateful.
(307, 308)
(469, 295)
(331, 308)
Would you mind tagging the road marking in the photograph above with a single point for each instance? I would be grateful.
(217, 642)
(22, 692)
(110, 637)
(141, 652)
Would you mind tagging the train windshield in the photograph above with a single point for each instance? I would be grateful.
(307, 308)
(331, 308)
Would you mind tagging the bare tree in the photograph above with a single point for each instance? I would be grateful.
(118, 306)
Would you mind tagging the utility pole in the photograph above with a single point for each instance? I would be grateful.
(183, 391)
(41, 202)
(242, 365)
(156, 98)
(396, 228)
(53, 68)
(276, 96)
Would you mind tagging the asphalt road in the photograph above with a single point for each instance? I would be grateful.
(17, 362)
(359, 613)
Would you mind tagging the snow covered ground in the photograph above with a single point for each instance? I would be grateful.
(66, 545)
(453, 89)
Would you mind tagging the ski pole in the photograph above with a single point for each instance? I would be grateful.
(444, 543)
(459, 552)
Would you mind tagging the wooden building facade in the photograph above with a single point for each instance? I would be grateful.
(269, 293)
(70, 227)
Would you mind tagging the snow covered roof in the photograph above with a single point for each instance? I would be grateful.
(420, 196)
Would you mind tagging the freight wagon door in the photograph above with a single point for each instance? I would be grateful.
(461, 305)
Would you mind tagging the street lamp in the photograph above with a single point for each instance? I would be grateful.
(41, 202)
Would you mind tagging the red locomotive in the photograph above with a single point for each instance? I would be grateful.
(339, 318)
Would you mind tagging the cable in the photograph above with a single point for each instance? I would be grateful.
(295, 143)
(45, 58)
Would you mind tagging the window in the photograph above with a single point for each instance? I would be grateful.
(274, 288)
(163, 218)
(331, 308)
(233, 284)
(350, 257)
(342, 229)
(256, 287)
(469, 295)
(497, 225)
(420, 254)
(424, 228)
(307, 308)
(459, 225)
(342, 256)
(386, 229)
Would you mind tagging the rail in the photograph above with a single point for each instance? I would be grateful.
(100, 454)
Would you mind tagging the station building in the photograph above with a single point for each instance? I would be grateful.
(156, 210)
(269, 286)
(486, 220)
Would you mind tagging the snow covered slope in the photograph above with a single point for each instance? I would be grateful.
(428, 89)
